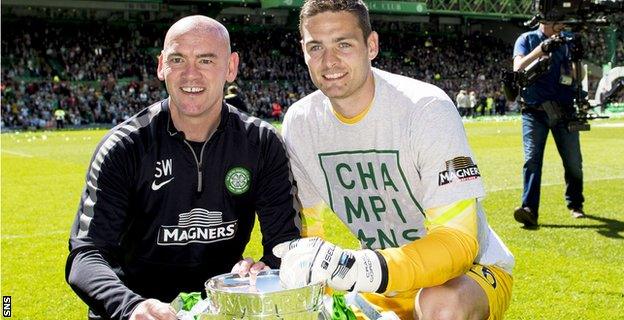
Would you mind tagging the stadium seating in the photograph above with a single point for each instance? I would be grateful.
(104, 74)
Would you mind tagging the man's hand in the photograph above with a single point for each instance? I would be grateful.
(152, 309)
(551, 44)
(247, 266)
(313, 260)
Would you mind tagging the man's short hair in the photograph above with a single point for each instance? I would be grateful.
(358, 8)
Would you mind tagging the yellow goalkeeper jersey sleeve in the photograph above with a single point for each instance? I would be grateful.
(447, 251)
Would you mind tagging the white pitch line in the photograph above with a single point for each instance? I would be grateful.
(551, 184)
(17, 153)
(34, 235)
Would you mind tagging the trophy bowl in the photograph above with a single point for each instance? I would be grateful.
(235, 297)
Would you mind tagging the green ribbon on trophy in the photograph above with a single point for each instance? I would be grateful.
(189, 299)
(340, 309)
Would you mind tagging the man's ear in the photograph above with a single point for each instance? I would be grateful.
(160, 71)
(305, 53)
(373, 45)
(232, 67)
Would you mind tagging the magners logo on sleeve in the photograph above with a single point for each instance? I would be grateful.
(461, 168)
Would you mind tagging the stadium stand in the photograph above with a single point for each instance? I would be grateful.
(101, 73)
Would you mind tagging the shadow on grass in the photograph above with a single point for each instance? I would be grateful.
(609, 228)
(531, 228)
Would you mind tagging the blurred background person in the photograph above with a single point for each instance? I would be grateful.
(234, 98)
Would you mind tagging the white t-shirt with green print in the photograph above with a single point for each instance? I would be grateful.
(407, 154)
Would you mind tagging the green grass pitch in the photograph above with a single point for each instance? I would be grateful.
(567, 269)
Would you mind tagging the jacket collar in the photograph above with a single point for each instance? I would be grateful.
(174, 132)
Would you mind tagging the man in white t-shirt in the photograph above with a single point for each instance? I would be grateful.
(463, 102)
(389, 156)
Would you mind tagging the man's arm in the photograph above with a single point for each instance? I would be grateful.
(520, 61)
(446, 252)
(524, 55)
(313, 206)
(92, 270)
(439, 148)
(276, 205)
(91, 276)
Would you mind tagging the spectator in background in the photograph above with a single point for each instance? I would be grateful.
(59, 116)
(489, 105)
(462, 102)
(234, 98)
(500, 103)
(472, 111)
(276, 112)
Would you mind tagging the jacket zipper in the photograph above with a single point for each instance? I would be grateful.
(199, 163)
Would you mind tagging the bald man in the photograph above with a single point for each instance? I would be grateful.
(171, 194)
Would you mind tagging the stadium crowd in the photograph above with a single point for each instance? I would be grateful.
(104, 74)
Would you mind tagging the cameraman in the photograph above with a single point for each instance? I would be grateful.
(546, 104)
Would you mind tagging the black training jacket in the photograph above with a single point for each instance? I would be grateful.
(156, 219)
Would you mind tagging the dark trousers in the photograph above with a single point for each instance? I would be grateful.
(535, 128)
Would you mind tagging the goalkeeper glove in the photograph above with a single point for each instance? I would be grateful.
(313, 260)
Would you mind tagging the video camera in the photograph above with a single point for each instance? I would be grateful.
(573, 12)
(578, 15)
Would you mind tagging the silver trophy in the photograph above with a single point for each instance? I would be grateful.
(230, 296)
